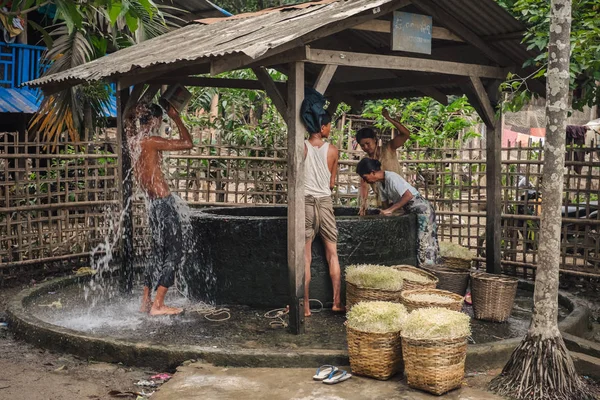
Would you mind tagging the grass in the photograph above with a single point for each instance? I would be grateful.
(377, 316)
(374, 276)
(436, 323)
(449, 249)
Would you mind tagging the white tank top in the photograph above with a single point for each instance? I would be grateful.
(317, 174)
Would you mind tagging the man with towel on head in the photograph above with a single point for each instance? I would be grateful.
(321, 162)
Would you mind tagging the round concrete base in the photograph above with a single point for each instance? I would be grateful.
(162, 357)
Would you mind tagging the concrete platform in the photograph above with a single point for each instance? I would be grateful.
(207, 382)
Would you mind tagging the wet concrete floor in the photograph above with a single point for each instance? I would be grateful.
(204, 381)
(101, 315)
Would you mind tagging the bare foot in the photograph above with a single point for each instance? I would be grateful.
(307, 312)
(338, 309)
(164, 310)
(145, 308)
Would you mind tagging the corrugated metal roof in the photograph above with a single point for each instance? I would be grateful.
(18, 101)
(254, 34)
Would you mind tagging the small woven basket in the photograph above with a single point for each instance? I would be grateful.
(355, 294)
(414, 285)
(412, 304)
(451, 279)
(376, 355)
(455, 262)
(493, 296)
(435, 366)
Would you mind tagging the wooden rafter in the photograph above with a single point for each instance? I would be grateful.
(381, 26)
(325, 77)
(269, 86)
(363, 60)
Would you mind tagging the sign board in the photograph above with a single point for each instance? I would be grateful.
(411, 32)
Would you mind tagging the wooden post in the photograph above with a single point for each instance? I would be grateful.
(494, 201)
(126, 271)
(295, 166)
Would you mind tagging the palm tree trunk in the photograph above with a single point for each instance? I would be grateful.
(541, 367)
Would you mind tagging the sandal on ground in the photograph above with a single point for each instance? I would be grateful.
(324, 372)
(337, 376)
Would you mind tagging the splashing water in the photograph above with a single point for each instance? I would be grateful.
(104, 304)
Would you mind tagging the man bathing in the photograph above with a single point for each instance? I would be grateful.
(321, 162)
(147, 147)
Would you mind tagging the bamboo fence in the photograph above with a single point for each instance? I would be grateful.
(54, 200)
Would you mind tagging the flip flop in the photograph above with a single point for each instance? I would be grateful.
(324, 372)
(337, 376)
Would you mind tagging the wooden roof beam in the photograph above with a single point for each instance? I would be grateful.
(272, 90)
(381, 26)
(200, 81)
(325, 77)
(362, 60)
(408, 82)
(435, 94)
(478, 97)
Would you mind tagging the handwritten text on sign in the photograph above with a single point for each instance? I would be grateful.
(411, 32)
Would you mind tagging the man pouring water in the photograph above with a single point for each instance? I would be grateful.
(147, 147)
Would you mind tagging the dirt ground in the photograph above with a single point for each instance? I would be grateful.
(30, 373)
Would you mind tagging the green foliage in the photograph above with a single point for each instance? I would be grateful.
(585, 49)
(81, 32)
(245, 117)
(428, 120)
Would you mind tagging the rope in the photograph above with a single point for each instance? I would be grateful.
(211, 313)
(277, 314)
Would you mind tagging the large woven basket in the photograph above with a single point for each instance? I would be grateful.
(376, 355)
(413, 285)
(354, 294)
(451, 279)
(412, 304)
(455, 262)
(435, 366)
(493, 296)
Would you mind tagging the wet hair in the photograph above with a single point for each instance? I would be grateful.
(150, 111)
(365, 133)
(367, 165)
(325, 118)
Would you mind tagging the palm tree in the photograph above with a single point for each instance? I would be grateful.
(84, 31)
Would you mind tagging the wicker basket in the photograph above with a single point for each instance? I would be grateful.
(493, 296)
(435, 366)
(459, 263)
(376, 355)
(354, 294)
(410, 304)
(451, 279)
(413, 285)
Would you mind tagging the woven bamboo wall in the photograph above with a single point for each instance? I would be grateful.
(54, 200)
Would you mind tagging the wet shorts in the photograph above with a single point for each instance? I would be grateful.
(166, 242)
(319, 219)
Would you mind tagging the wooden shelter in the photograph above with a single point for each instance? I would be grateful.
(341, 48)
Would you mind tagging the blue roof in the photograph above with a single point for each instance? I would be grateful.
(26, 101)
(18, 101)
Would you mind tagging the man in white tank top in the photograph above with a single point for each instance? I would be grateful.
(321, 162)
